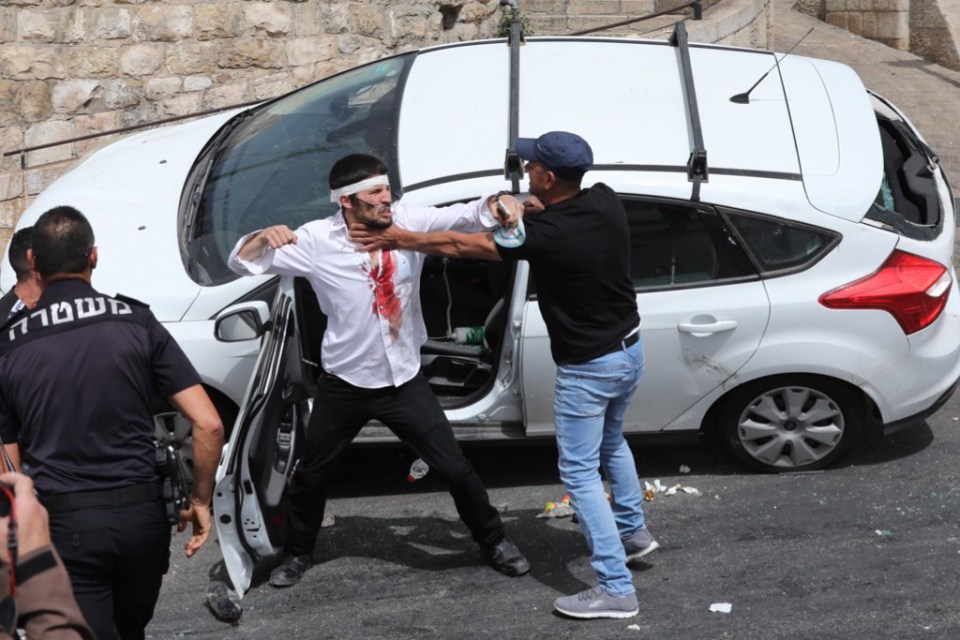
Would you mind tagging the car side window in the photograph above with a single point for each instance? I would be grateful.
(681, 245)
(779, 246)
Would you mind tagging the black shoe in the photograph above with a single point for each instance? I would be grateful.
(223, 602)
(290, 571)
(505, 558)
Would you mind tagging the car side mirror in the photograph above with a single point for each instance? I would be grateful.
(243, 321)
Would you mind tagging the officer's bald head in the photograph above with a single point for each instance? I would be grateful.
(62, 242)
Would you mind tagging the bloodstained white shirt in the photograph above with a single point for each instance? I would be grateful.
(371, 299)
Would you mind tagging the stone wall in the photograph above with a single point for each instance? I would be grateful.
(927, 28)
(935, 31)
(73, 68)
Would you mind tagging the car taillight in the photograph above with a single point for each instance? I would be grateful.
(912, 289)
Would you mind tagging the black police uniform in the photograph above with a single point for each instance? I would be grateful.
(77, 377)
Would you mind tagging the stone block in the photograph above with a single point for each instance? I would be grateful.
(837, 20)
(637, 8)
(244, 53)
(868, 25)
(182, 105)
(855, 23)
(537, 7)
(11, 185)
(163, 23)
(10, 211)
(9, 103)
(7, 24)
(190, 58)
(272, 86)
(121, 94)
(197, 83)
(308, 51)
(72, 96)
(273, 19)
(94, 62)
(893, 25)
(35, 101)
(141, 59)
(46, 133)
(213, 22)
(162, 88)
(31, 62)
(225, 95)
(111, 23)
(366, 21)
(38, 26)
(592, 7)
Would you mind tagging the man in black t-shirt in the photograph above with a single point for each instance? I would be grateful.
(578, 247)
(78, 374)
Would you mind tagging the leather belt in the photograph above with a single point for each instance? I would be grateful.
(631, 339)
(133, 494)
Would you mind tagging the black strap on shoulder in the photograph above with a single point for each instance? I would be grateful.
(35, 566)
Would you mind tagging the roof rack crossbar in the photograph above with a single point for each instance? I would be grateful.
(697, 169)
(512, 164)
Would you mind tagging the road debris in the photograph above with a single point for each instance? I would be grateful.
(561, 509)
(650, 491)
(721, 607)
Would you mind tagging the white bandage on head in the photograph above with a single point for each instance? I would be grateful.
(357, 187)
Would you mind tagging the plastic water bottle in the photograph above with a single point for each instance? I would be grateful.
(467, 335)
(418, 469)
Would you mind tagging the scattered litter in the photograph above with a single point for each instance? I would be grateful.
(634, 627)
(223, 602)
(650, 491)
(328, 520)
(684, 469)
(721, 607)
(883, 533)
(561, 509)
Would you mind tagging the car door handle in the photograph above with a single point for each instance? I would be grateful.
(706, 329)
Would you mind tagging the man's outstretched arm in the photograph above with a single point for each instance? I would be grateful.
(438, 243)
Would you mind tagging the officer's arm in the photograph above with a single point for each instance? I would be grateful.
(194, 403)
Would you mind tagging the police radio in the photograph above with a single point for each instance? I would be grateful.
(170, 468)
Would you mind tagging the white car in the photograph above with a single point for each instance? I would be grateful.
(792, 244)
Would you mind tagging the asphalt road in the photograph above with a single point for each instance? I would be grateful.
(868, 549)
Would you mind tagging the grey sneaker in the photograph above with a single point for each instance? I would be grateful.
(290, 571)
(639, 544)
(597, 603)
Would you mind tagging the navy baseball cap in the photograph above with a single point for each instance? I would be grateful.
(566, 154)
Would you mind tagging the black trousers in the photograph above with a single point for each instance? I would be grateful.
(116, 557)
(412, 412)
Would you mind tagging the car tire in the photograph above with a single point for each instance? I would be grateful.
(171, 426)
(791, 423)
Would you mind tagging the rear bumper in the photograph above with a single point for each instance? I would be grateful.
(918, 418)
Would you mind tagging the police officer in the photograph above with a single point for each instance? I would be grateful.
(78, 375)
(26, 292)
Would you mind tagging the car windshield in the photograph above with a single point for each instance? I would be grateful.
(270, 166)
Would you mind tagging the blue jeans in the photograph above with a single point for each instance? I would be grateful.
(591, 399)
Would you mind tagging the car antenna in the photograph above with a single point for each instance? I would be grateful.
(744, 98)
(512, 164)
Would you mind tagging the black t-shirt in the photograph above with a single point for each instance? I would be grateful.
(78, 375)
(579, 252)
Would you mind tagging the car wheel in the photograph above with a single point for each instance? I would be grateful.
(173, 427)
(795, 423)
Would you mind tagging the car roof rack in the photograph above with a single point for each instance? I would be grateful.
(512, 164)
(697, 170)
